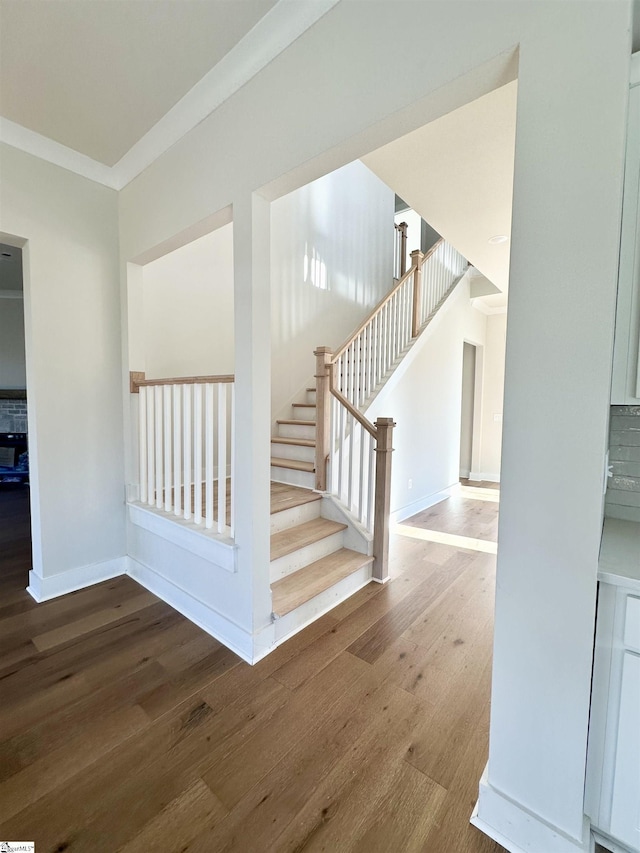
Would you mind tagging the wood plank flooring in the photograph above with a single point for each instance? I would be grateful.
(125, 727)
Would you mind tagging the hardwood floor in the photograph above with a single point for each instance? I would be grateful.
(125, 727)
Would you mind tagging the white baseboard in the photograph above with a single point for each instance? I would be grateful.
(418, 506)
(42, 589)
(517, 829)
(486, 476)
(227, 632)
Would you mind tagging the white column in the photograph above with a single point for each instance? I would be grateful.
(252, 422)
(564, 257)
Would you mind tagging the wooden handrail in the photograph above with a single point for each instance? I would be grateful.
(341, 349)
(371, 315)
(137, 380)
(354, 412)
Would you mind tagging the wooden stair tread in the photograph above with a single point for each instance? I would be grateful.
(294, 464)
(285, 496)
(296, 421)
(293, 538)
(306, 583)
(304, 405)
(298, 442)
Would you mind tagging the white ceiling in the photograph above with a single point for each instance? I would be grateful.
(96, 76)
(457, 173)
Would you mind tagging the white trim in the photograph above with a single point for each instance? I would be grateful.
(11, 294)
(519, 830)
(221, 551)
(53, 152)
(609, 843)
(42, 589)
(489, 310)
(488, 477)
(285, 22)
(635, 69)
(418, 505)
(224, 630)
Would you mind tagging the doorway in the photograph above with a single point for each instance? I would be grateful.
(467, 409)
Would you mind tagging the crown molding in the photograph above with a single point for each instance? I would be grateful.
(489, 311)
(285, 22)
(53, 152)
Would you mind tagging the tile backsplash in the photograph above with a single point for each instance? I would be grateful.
(13, 416)
(623, 489)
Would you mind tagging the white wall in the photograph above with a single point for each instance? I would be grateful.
(12, 359)
(492, 399)
(331, 262)
(71, 301)
(331, 97)
(188, 309)
(424, 399)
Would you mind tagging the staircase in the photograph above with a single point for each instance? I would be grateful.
(309, 560)
(293, 448)
(308, 555)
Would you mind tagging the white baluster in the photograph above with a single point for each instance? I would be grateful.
(158, 413)
(352, 422)
(371, 483)
(361, 484)
(151, 480)
(188, 445)
(166, 399)
(233, 457)
(142, 443)
(208, 455)
(177, 449)
(222, 457)
(197, 453)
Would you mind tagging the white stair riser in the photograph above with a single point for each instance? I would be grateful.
(306, 479)
(296, 431)
(293, 622)
(310, 397)
(290, 563)
(287, 518)
(293, 451)
(305, 413)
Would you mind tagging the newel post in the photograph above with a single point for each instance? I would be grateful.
(323, 415)
(416, 260)
(384, 450)
(402, 228)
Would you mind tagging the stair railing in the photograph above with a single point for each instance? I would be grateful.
(356, 468)
(367, 356)
(185, 448)
(353, 455)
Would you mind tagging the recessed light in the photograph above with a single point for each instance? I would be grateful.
(499, 238)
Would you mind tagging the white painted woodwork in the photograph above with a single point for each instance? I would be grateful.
(185, 456)
(625, 808)
(613, 770)
(287, 518)
(626, 360)
(304, 556)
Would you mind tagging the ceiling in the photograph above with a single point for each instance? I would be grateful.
(457, 173)
(96, 76)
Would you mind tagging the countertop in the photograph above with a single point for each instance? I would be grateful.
(619, 562)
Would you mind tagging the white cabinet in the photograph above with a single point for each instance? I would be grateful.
(626, 364)
(613, 764)
(625, 808)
